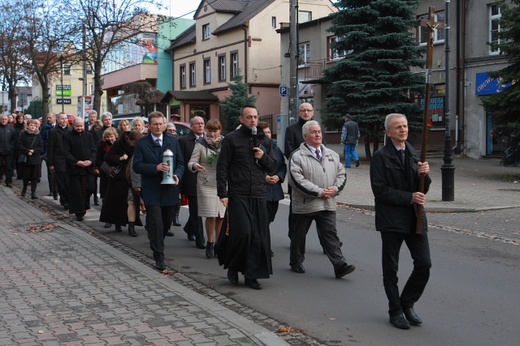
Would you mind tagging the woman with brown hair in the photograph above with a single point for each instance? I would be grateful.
(115, 205)
(204, 160)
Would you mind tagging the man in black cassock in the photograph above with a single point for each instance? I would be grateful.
(241, 169)
(80, 153)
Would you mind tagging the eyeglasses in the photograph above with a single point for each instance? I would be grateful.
(172, 131)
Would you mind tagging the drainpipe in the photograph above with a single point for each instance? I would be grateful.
(245, 27)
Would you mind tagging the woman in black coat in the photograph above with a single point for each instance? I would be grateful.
(115, 204)
(31, 148)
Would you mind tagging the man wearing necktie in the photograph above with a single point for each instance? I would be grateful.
(394, 176)
(316, 176)
(193, 227)
(160, 199)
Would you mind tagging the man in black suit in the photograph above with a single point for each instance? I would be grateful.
(160, 199)
(56, 157)
(193, 227)
(394, 176)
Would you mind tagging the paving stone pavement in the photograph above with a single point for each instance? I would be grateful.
(59, 285)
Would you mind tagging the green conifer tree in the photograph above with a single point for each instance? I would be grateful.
(231, 107)
(374, 78)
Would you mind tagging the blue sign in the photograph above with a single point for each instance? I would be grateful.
(283, 90)
(485, 85)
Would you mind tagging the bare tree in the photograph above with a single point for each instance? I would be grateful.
(45, 38)
(13, 50)
(108, 23)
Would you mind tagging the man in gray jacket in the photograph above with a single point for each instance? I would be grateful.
(316, 176)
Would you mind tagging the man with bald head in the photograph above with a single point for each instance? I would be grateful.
(80, 154)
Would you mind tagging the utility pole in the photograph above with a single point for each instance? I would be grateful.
(293, 75)
(447, 169)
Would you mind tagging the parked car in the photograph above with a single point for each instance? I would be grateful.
(182, 128)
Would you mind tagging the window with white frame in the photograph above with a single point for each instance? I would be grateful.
(495, 13)
(424, 31)
(335, 54)
(304, 54)
(304, 16)
(207, 71)
(206, 32)
(234, 65)
(182, 76)
(193, 75)
(222, 68)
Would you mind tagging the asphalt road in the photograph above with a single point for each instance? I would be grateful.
(471, 299)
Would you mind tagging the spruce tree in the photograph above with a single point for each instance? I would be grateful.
(374, 78)
(231, 107)
(506, 103)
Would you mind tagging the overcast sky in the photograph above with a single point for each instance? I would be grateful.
(178, 8)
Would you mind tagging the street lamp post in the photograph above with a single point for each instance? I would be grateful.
(61, 58)
(447, 169)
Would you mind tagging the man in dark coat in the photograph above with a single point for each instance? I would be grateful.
(193, 227)
(394, 177)
(80, 153)
(46, 128)
(56, 157)
(241, 170)
(8, 138)
(160, 199)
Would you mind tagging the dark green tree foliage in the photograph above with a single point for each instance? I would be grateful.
(35, 109)
(374, 78)
(230, 108)
(507, 103)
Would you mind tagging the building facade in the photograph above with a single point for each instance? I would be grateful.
(231, 37)
(472, 25)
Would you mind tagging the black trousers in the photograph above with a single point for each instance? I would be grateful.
(194, 224)
(6, 163)
(414, 287)
(62, 182)
(158, 221)
(326, 223)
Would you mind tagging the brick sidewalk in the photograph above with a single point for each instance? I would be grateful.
(60, 285)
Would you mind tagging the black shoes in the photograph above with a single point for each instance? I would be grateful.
(200, 246)
(412, 317)
(345, 270)
(232, 276)
(209, 250)
(176, 221)
(159, 265)
(66, 206)
(357, 163)
(191, 237)
(118, 228)
(169, 233)
(253, 283)
(79, 217)
(298, 268)
(108, 225)
(131, 231)
(399, 321)
(8, 184)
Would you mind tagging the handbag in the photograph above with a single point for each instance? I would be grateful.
(22, 158)
(111, 171)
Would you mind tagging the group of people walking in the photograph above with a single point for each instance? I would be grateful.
(234, 182)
